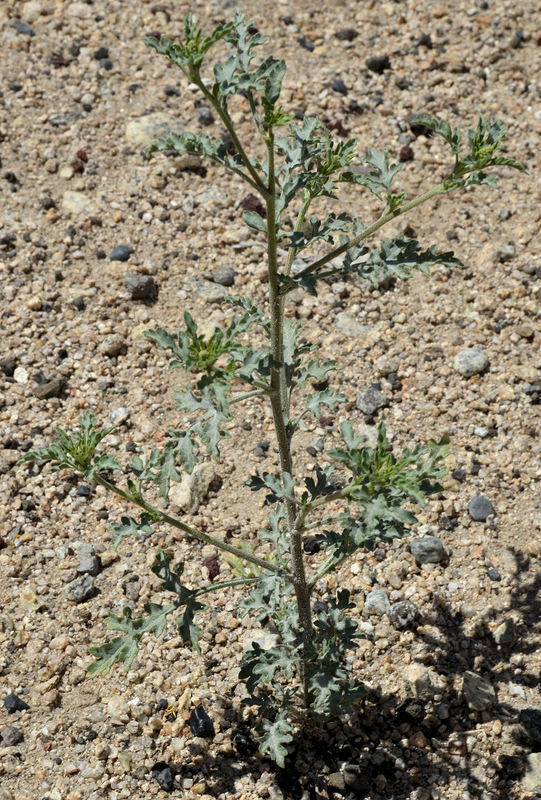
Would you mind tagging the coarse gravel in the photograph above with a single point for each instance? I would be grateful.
(454, 708)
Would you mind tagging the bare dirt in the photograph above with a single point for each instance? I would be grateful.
(76, 184)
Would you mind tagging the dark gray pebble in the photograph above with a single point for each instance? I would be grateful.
(121, 252)
(163, 775)
(346, 34)
(23, 27)
(141, 287)
(8, 366)
(378, 64)
(458, 474)
(403, 615)
(305, 43)
(493, 574)
(480, 508)
(201, 723)
(339, 86)
(13, 703)
(428, 550)
(530, 719)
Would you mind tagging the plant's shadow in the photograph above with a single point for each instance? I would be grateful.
(367, 757)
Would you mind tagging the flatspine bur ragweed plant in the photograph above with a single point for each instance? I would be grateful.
(370, 493)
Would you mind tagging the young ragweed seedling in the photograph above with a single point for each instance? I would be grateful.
(308, 670)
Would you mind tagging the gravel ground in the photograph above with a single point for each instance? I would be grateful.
(455, 710)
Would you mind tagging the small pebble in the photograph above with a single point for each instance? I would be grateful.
(403, 614)
(24, 28)
(201, 723)
(119, 415)
(141, 287)
(10, 736)
(478, 691)
(204, 115)
(480, 508)
(346, 34)
(378, 64)
(121, 252)
(371, 400)
(376, 603)
(52, 388)
(80, 589)
(163, 775)
(428, 550)
(113, 345)
(339, 86)
(88, 560)
(471, 361)
(225, 276)
(13, 703)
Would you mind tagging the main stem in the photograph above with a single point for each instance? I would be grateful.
(279, 397)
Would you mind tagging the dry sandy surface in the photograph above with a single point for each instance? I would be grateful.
(74, 76)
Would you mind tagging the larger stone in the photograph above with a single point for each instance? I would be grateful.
(81, 589)
(88, 560)
(371, 401)
(425, 682)
(13, 703)
(378, 64)
(77, 203)
(478, 691)
(52, 388)
(480, 508)
(121, 252)
(376, 603)
(471, 361)
(428, 550)
(141, 287)
(144, 131)
(530, 719)
(10, 736)
(206, 290)
(192, 490)
(531, 781)
(403, 614)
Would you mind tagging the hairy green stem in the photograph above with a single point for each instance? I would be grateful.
(280, 410)
(225, 584)
(224, 116)
(182, 526)
(246, 395)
